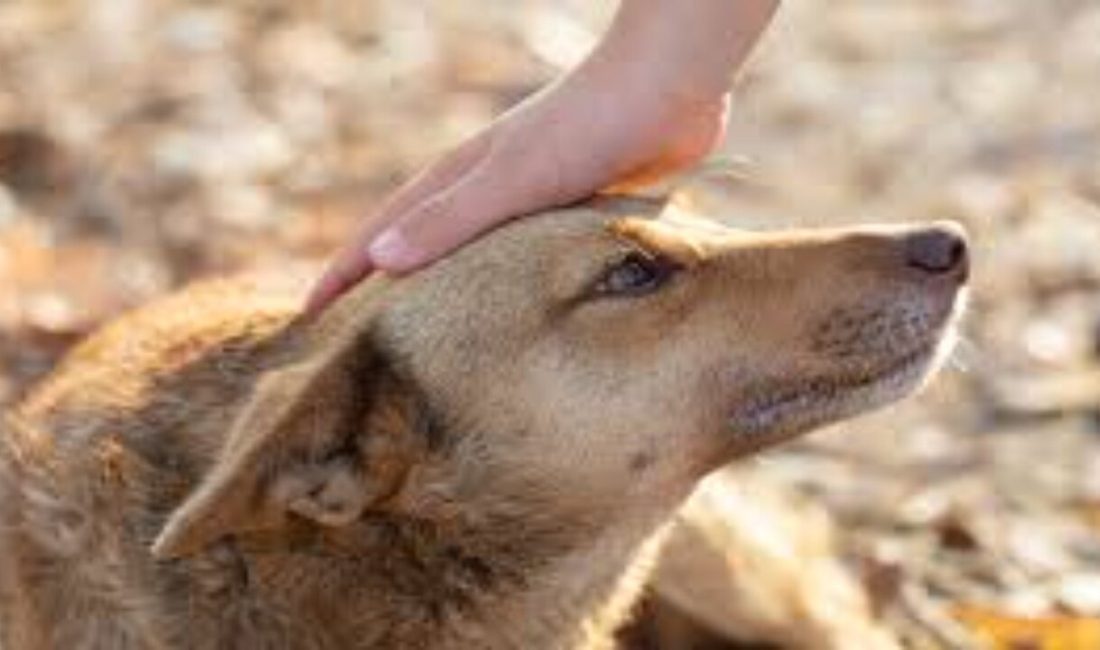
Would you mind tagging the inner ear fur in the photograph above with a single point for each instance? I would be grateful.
(324, 439)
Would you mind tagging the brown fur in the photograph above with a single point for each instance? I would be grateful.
(481, 455)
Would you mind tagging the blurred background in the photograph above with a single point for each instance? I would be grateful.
(144, 143)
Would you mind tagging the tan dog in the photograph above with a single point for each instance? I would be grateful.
(480, 455)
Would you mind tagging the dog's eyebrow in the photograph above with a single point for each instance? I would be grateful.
(660, 239)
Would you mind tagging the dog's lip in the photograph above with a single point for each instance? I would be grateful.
(773, 410)
(776, 406)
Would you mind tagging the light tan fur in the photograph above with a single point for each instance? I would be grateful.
(481, 455)
(748, 560)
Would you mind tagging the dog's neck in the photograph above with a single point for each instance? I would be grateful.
(503, 582)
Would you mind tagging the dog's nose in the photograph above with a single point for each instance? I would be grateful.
(938, 250)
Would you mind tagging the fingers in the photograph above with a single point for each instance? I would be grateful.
(353, 262)
(347, 268)
(437, 177)
(481, 199)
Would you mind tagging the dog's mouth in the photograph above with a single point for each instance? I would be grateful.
(777, 410)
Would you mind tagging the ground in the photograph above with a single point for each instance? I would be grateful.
(144, 143)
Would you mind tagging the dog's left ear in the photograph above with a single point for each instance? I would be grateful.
(322, 439)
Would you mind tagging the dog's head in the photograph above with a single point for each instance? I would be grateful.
(595, 361)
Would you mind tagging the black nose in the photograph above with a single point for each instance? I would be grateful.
(937, 250)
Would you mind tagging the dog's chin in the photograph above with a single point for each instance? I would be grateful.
(781, 411)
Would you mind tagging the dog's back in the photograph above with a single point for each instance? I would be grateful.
(93, 460)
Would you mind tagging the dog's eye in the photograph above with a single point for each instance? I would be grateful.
(634, 275)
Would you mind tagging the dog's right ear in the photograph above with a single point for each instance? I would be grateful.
(322, 439)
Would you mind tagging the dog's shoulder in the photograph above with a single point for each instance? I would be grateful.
(96, 456)
(154, 385)
(131, 355)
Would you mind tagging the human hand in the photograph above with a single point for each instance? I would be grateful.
(638, 108)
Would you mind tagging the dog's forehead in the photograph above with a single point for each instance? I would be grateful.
(590, 218)
(564, 243)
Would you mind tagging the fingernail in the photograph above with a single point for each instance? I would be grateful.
(390, 249)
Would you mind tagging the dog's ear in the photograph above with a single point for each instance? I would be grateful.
(322, 439)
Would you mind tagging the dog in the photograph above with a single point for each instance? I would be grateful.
(483, 454)
(750, 562)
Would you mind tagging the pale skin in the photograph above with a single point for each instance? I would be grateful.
(649, 100)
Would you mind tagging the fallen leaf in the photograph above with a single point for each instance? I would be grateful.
(1007, 632)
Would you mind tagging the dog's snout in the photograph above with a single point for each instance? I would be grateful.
(938, 250)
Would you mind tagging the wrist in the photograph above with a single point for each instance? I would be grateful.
(691, 49)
